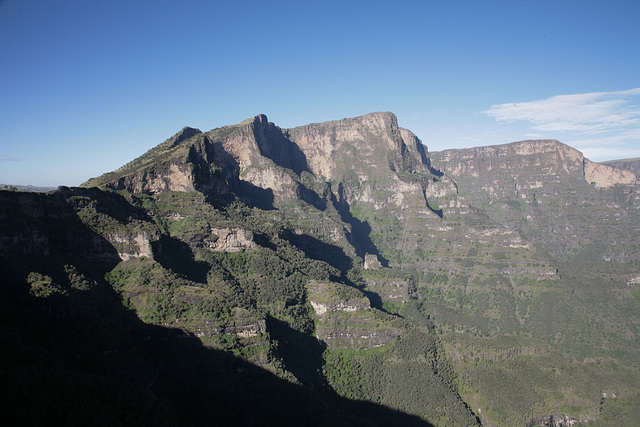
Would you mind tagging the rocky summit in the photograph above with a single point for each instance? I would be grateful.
(330, 274)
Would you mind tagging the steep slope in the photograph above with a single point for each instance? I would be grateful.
(364, 185)
(253, 152)
(416, 220)
(632, 165)
(585, 217)
(474, 273)
(551, 194)
(342, 258)
(186, 253)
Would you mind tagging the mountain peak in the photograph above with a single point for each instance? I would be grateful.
(330, 149)
(260, 118)
(182, 135)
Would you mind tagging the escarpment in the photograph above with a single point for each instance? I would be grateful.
(547, 191)
(632, 165)
(362, 155)
(338, 270)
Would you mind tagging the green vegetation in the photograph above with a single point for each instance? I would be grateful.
(503, 298)
(410, 375)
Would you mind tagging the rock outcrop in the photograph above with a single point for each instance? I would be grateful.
(371, 262)
(346, 319)
(550, 157)
(604, 176)
(231, 240)
(131, 245)
(73, 222)
(184, 162)
(241, 323)
(328, 297)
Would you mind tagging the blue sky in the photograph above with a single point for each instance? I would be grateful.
(86, 86)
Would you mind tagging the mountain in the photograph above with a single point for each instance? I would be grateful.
(627, 164)
(550, 193)
(338, 270)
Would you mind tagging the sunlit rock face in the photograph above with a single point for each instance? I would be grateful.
(231, 240)
(548, 192)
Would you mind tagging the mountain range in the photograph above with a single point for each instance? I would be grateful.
(336, 273)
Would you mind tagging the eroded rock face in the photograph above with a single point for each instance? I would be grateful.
(549, 157)
(356, 331)
(545, 190)
(371, 159)
(327, 297)
(242, 323)
(67, 222)
(185, 162)
(371, 262)
(632, 165)
(370, 155)
(131, 246)
(604, 176)
(169, 177)
(324, 144)
(231, 240)
(272, 178)
(257, 141)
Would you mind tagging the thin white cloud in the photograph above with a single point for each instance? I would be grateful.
(587, 113)
(619, 138)
(10, 158)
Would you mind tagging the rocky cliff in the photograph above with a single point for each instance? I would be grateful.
(345, 258)
(367, 185)
(632, 165)
(548, 192)
(549, 157)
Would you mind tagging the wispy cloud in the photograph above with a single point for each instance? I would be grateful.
(618, 138)
(603, 125)
(587, 113)
(10, 159)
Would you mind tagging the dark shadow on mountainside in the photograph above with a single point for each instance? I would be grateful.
(73, 354)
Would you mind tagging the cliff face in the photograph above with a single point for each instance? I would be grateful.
(346, 319)
(632, 165)
(74, 222)
(349, 151)
(224, 161)
(370, 156)
(549, 193)
(548, 158)
(359, 143)
(362, 183)
(302, 250)
(184, 162)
